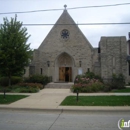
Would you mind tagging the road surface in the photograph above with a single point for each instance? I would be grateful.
(38, 120)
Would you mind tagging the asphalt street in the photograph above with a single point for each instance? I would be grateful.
(60, 120)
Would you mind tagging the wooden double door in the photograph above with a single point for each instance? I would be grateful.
(65, 74)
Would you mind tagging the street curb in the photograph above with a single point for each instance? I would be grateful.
(30, 109)
(63, 110)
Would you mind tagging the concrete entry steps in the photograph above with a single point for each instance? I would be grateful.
(59, 85)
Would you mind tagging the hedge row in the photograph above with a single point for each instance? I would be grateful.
(43, 79)
(4, 81)
(32, 79)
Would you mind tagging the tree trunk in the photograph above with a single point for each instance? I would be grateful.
(9, 84)
(4, 92)
(9, 80)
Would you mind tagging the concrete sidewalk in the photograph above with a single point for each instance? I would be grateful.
(50, 99)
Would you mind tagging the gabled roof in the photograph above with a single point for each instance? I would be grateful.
(64, 21)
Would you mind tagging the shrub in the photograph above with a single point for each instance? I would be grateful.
(23, 88)
(128, 83)
(28, 90)
(90, 87)
(91, 75)
(117, 82)
(31, 85)
(18, 89)
(7, 89)
(107, 88)
(88, 76)
(4, 81)
(14, 80)
(37, 79)
(88, 82)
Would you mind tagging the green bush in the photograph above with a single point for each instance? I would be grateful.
(89, 82)
(23, 88)
(117, 82)
(107, 88)
(94, 87)
(18, 89)
(128, 84)
(14, 80)
(91, 75)
(37, 79)
(28, 90)
(32, 85)
(6, 89)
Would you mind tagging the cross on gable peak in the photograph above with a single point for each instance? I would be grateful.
(65, 6)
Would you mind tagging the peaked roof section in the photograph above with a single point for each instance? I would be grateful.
(65, 19)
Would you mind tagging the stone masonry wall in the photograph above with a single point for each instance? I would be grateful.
(113, 56)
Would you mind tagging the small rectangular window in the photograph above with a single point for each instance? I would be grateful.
(99, 51)
(129, 69)
(41, 70)
(129, 48)
(88, 69)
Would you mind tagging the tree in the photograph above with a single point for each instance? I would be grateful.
(15, 53)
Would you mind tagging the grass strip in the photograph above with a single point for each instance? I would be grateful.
(125, 90)
(11, 98)
(97, 101)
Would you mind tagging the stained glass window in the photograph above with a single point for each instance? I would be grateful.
(65, 34)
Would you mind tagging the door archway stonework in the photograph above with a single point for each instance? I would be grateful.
(66, 61)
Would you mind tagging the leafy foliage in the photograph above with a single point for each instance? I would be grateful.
(33, 85)
(15, 54)
(14, 79)
(23, 88)
(91, 75)
(88, 82)
(19, 89)
(118, 81)
(43, 79)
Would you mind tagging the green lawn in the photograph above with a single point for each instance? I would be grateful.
(97, 101)
(125, 90)
(11, 98)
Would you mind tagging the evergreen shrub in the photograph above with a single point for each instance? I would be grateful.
(4, 81)
(43, 79)
(118, 81)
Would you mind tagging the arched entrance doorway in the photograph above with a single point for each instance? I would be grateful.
(65, 74)
(64, 65)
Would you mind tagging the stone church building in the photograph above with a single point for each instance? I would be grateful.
(66, 52)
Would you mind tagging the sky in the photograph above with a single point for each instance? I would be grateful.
(117, 14)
